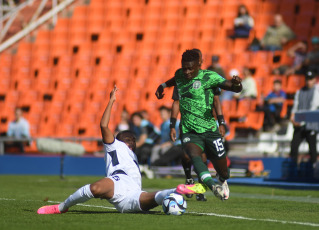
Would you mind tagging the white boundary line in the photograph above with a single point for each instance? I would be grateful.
(202, 213)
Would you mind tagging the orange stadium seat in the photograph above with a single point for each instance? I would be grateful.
(96, 25)
(269, 7)
(254, 120)
(26, 98)
(80, 12)
(294, 83)
(307, 7)
(97, 3)
(230, 106)
(287, 6)
(244, 107)
(71, 69)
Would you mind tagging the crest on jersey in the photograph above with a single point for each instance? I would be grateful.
(197, 85)
(186, 139)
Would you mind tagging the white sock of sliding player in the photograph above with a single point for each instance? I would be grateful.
(80, 196)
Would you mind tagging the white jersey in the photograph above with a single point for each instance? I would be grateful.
(119, 158)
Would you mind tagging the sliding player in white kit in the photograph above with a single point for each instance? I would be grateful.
(122, 184)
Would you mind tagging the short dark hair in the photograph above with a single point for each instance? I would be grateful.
(277, 81)
(198, 51)
(163, 107)
(128, 137)
(137, 114)
(190, 56)
(240, 6)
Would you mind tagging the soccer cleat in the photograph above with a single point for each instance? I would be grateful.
(189, 181)
(225, 187)
(201, 197)
(51, 209)
(218, 192)
(191, 189)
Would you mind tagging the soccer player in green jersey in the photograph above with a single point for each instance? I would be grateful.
(198, 127)
(217, 112)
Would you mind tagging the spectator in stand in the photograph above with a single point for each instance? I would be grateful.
(125, 123)
(298, 52)
(145, 114)
(216, 67)
(312, 59)
(228, 95)
(249, 86)
(243, 23)
(146, 136)
(305, 99)
(273, 106)
(277, 35)
(19, 128)
(165, 153)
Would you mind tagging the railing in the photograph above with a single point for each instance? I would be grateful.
(3, 140)
(33, 24)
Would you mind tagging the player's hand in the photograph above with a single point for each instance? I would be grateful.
(236, 80)
(159, 92)
(222, 130)
(112, 94)
(294, 123)
(172, 134)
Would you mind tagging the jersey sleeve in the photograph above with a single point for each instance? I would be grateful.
(178, 74)
(214, 79)
(175, 96)
(112, 146)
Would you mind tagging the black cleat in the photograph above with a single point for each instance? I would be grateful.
(201, 197)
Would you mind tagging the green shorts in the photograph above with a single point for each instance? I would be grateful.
(210, 142)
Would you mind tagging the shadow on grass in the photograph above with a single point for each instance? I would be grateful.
(100, 212)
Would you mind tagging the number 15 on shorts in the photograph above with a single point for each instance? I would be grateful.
(219, 147)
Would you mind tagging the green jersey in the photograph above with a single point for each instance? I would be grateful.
(196, 100)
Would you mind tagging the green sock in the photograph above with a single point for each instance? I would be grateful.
(202, 172)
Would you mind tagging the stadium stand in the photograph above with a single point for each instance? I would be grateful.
(62, 76)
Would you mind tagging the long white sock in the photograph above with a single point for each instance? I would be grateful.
(80, 196)
(159, 196)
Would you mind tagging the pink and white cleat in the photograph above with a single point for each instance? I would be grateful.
(50, 209)
(191, 189)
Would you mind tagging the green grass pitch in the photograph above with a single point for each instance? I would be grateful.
(249, 207)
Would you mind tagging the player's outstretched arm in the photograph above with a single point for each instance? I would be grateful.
(160, 89)
(232, 85)
(107, 135)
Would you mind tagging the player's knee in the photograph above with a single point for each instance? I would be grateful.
(96, 190)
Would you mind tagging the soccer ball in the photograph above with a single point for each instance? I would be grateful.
(174, 204)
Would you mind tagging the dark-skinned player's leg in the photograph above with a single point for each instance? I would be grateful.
(195, 152)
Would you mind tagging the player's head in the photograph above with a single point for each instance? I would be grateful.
(190, 64)
(165, 112)
(18, 113)
(242, 10)
(310, 78)
(200, 56)
(278, 21)
(128, 138)
(137, 119)
(277, 85)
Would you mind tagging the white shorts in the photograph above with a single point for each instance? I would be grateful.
(126, 194)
